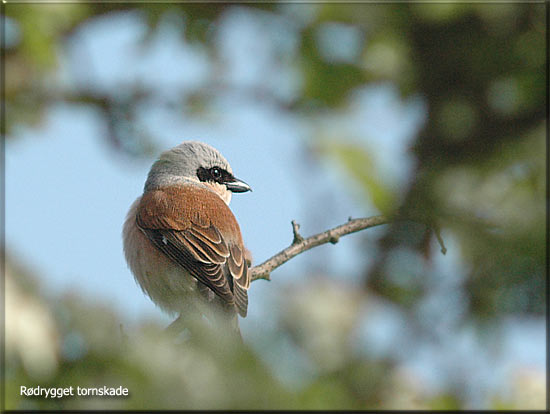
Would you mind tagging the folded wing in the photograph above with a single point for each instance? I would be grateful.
(206, 241)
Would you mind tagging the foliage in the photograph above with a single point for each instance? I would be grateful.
(478, 175)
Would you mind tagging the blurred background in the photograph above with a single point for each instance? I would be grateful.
(328, 111)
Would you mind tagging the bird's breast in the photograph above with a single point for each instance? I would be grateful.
(166, 283)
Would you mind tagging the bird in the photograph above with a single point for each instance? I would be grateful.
(182, 242)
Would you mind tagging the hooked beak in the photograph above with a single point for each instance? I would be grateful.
(238, 186)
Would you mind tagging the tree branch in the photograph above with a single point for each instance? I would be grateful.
(300, 245)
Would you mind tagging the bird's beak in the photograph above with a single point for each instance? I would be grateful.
(238, 186)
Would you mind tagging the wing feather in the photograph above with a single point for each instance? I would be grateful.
(241, 299)
(210, 249)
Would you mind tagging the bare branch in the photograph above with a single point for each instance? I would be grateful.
(299, 244)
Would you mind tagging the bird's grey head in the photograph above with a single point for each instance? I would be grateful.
(198, 163)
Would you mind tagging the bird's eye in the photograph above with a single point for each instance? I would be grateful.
(216, 172)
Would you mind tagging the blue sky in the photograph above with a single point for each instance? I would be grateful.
(66, 167)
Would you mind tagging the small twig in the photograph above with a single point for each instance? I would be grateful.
(299, 244)
(297, 237)
(440, 239)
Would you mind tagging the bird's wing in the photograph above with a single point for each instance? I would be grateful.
(198, 231)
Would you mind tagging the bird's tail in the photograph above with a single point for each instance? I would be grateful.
(210, 325)
(225, 324)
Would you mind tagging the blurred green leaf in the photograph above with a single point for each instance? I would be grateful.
(359, 165)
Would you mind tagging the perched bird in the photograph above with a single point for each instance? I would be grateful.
(183, 243)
